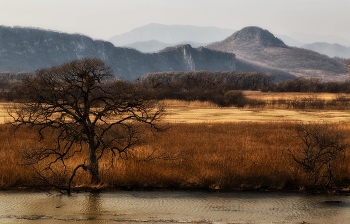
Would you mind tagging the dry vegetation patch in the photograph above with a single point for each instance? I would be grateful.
(290, 95)
(205, 147)
(226, 156)
(277, 107)
(178, 111)
(178, 114)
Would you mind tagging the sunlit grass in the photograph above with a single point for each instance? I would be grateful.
(205, 147)
(197, 115)
(182, 103)
(227, 156)
(290, 95)
(195, 112)
(299, 100)
(178, 111)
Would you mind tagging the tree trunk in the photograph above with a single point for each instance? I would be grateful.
(93, 166)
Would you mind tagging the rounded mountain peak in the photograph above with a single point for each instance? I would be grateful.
(255, 35)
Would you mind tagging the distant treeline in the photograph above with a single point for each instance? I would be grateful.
(309, 85)
(189, 81)
(223, 88)
(203, 85)
(8, 79)
(193, 81)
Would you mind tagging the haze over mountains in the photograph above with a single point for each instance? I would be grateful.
(155, 37)
(27, 49)
(250, 49)
(153, 46)
(313, 38)
(331, 50)
(171, 34)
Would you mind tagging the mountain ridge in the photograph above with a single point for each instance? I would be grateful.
(331, 50)
(153, 46)
(307, 38)
(29, 49)
(171, 34)
(255, 35)
(257, 45)
(144, 38)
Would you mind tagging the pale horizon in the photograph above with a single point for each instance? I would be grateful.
(105, 18)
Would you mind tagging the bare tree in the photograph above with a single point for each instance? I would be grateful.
(90, 114)
(321, 145)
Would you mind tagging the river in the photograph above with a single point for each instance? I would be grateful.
(173, 207)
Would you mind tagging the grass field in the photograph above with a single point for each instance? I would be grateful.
(290, 96)
(196, 112)
(196, 115)
(206, 147)
(221, 156)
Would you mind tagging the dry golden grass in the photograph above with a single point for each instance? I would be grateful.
(243, 155)
(196, 112)
(3, 112)
(268, 96)
(206, 147)
(178, 111)
(298, 100)
(178, 114)
(191, 104)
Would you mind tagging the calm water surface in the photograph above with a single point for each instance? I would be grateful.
(173, 207)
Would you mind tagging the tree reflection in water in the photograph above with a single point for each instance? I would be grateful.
(93, 207)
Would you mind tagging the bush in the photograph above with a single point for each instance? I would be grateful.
(321, 146)
(235, 98)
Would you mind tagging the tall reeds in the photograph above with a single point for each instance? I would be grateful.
(221, 156)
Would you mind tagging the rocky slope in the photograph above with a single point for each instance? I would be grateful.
(261, 47)
(27, 49)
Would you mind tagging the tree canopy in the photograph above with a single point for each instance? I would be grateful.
(90, 114)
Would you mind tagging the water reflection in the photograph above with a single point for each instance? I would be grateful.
(93, 207)
(173, 207)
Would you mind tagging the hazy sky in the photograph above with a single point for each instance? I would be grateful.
(101, 19)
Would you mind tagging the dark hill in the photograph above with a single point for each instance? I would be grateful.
(254, 36)
(28, 49)
(262, 48)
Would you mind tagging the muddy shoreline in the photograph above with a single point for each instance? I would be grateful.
(343, 191)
